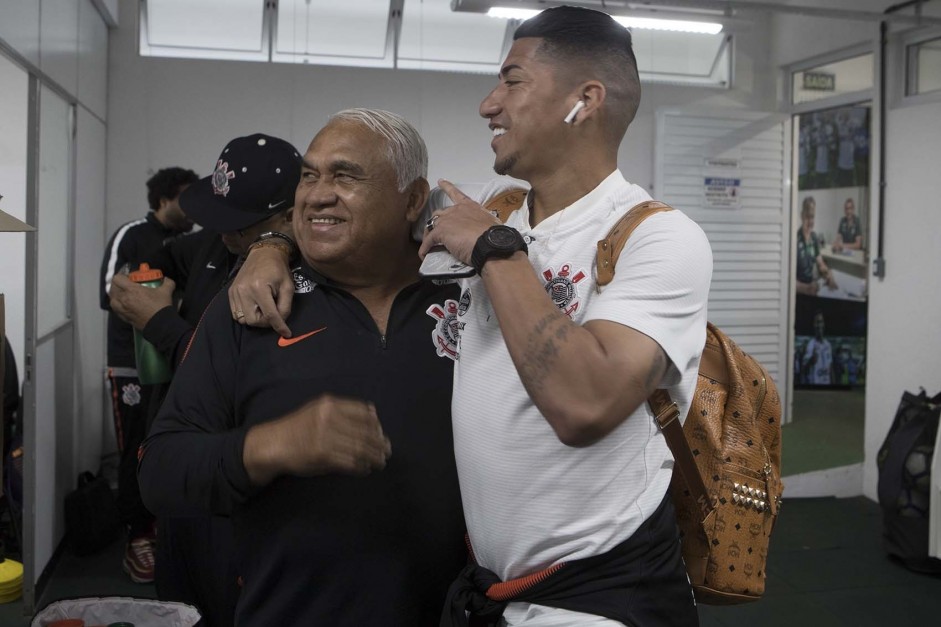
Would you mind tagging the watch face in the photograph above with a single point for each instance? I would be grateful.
(502, 237)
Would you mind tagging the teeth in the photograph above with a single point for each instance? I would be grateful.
(498, 131)
(324, 221)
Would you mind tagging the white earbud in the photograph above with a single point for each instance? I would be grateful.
(571, 116)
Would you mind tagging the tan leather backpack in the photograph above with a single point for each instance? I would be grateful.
(728, 491)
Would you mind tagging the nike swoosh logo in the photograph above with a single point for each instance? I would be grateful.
(210, 266)
(280, 202)
(287, 341)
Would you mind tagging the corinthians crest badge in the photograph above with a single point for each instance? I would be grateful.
(447, 330)
(562, 287)
(221, 177)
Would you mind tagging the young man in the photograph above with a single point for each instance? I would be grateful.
(850, 231)
(817, 357)
(559, 457)
(295, 437)
(130, 245)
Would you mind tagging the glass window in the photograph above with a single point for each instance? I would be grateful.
(434, 37)
(327, 28)
(431, 36)
(55, 141)
(833, 79)
(234, 25)
(924, 60)
(683, 58)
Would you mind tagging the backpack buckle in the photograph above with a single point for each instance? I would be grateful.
(667, 415)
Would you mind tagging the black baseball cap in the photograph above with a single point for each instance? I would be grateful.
(254, 178)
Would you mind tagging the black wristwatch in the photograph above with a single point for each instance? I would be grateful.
(499, 241)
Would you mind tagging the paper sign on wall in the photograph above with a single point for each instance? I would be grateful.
(722, 192)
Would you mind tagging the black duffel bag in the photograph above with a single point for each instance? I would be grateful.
(92, 521)
(904, 463)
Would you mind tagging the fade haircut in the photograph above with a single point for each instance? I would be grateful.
(166, 183)
(405, 148)
(590, 44)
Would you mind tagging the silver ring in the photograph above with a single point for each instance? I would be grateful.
(239, 314)
(430, 224)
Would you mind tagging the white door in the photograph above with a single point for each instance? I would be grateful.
(728, 171)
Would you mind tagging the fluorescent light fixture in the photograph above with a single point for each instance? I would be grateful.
(512, 14)
(684, 26)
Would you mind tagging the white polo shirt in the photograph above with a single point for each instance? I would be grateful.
(529, 500)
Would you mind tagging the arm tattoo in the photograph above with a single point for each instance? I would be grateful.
(542, 350)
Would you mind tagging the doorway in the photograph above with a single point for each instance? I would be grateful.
(830, 218)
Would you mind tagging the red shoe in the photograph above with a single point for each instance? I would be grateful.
(139, 560)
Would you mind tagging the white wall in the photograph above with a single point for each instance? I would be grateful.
(904, 334)
(63, 43)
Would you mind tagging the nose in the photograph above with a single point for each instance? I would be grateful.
(490, 105)
(319, 193)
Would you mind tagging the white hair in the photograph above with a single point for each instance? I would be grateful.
(404, 146)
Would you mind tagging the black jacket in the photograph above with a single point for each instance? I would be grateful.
(331, 550)
(200, 265)
(131, 244)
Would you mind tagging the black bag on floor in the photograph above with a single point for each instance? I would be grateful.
(904, 463)
(92, 521)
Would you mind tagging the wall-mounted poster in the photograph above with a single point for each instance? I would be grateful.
(831, 247)
(831, 243)
(829, 342)
(833, 149)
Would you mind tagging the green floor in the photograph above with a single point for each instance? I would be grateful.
(826, 431)
(826, 569)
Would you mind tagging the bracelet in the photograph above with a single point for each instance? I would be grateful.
(274, 239)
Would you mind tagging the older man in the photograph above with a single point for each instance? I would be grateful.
(332, 450)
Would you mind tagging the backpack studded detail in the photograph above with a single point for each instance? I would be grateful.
(728, 491)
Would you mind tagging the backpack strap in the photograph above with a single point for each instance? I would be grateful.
(662, 406)
(610, 247)
(668, 418)
(505, 203)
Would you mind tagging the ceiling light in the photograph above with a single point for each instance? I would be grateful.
(710, 28)
(512, 14)
(683, 26)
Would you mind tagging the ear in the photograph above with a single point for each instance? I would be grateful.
(417, 197)
(592, 93)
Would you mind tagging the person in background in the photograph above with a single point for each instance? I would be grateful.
(131, 244)
(809, 253)
(249, 194)
(849, 233)
(331, 450)
(818, 355)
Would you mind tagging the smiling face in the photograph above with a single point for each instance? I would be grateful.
(348, 210)
(525, 111)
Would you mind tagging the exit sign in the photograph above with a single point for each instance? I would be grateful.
(819, 81)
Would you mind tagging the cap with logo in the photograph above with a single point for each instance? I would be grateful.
(254, 178)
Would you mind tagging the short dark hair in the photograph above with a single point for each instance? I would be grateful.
(594, 46)
(166, 183)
